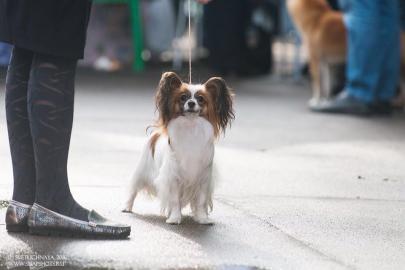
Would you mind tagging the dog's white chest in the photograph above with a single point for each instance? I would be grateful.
(192, 141)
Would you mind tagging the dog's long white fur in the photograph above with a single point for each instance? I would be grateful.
(180, 172)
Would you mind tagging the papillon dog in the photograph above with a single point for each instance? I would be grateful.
(177, 162)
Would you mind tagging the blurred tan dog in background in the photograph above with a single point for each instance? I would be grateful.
(324, 35)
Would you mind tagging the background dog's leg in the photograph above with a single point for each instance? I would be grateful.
(325, 79)
(316, 80)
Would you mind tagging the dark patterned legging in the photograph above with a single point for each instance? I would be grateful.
(39, 109)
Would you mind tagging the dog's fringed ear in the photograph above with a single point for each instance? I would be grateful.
(223, 101)
(168, 83)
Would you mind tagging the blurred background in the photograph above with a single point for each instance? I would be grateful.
(296, 190)
(242, 38)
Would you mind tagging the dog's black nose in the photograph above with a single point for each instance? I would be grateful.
(191, 104)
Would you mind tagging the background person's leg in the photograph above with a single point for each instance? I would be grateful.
(391, 52)
(364, 58)
(19, 132)
(51, 99)
(225, 23)
(391, 43)
(402, 11)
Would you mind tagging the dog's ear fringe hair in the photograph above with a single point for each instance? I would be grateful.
(148, 128)
(167, 84)
(224, 97)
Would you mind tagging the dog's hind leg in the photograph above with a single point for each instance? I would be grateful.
(139, 179)
(136, 186)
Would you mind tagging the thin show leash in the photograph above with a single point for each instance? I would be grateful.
(189, 40)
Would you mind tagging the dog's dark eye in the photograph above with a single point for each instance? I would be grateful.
(183, 97)
(200, 99)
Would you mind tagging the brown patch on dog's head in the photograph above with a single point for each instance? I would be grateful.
(212, 100)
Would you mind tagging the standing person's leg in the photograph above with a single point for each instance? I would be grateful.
(50, 111)
(50, 106)
(19, 132)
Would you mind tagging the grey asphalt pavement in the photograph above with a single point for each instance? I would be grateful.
(295, 190)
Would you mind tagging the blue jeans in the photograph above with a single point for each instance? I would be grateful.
(402, 6)
(5, 53)
(373, 58)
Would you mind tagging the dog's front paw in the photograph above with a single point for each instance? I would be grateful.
(174, 220)
(203, 220)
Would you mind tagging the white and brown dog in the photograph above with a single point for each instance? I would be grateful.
(177, 162)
